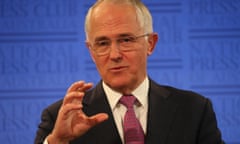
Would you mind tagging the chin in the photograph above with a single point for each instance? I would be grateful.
(117, 83)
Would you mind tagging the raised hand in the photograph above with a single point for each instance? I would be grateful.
(72, 121)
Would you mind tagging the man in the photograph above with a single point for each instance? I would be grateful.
(119, 36)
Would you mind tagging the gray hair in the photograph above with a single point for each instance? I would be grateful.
(143, 15)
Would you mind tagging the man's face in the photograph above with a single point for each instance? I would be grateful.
(123, 71)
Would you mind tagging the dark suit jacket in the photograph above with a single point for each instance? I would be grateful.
(174, 117)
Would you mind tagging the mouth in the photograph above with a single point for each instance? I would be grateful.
(118, 69)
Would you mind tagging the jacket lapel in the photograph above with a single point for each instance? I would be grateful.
(161, 114)
(96, 102)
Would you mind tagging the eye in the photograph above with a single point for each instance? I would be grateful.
(102, 43)
(128, 39)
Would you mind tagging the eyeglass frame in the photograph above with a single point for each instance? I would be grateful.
(119, 42)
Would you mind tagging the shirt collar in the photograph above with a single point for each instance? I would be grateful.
(141, 93)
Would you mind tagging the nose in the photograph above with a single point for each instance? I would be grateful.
(115, 52)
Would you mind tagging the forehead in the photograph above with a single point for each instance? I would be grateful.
(112, 20)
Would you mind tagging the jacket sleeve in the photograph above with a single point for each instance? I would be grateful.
(209, 132)
(48, 118)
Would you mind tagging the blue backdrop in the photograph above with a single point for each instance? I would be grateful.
(42, 52)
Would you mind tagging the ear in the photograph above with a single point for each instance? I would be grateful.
(90, 51)
(152, 41)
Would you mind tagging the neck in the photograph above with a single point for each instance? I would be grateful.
(126, 89)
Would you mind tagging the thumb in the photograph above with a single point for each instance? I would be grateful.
(98, 118)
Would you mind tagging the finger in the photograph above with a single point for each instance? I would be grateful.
(69, 109)
(85, 87)
(75, 86)
(79, 86)
(98, 118)
(73, 97)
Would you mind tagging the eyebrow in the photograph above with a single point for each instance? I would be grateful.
(101, 38)
(124, 35)
(107, 38)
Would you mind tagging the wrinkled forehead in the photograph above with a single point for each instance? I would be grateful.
(113, 19)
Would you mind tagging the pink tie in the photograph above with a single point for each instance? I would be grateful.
(133, 132)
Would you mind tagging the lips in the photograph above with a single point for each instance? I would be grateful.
(117, 69)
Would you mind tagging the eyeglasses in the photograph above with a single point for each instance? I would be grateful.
(125, 43)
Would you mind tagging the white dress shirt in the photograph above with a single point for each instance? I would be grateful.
(119, 110)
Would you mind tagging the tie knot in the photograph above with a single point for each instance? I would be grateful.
(128, 100)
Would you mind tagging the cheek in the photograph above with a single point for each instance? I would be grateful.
(101, 65)
(139, 61)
